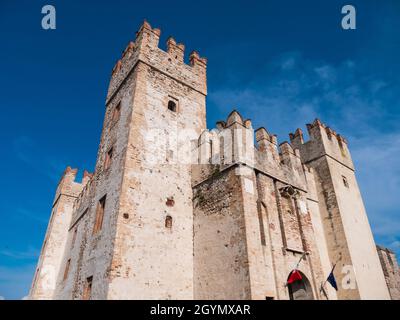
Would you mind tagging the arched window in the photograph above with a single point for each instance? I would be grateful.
(300, 289)
(172, 106)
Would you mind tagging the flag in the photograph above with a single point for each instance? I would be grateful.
(294, 276)
(331, 279)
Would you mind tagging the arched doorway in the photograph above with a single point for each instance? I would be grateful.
(301, 289)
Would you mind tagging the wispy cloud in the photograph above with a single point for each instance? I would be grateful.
(291, 91)
(29, 254)
(25, 213)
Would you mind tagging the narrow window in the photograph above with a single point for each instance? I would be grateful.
(87, 292)
(99, 215)
(116, 113)
(108, 159)
(261, 225)
(172, 106)
(346, 184)
(221, 149)
(74, 235)
(168, 222)
(67, 269)
(269, 298)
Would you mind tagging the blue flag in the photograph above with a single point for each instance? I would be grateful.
(331, 279)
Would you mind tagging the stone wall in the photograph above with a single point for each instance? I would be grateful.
(391, 271)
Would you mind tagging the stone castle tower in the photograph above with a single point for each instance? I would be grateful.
(175, 211)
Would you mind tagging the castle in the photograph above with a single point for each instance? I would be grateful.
(176, 211)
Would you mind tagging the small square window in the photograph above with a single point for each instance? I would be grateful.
(66, 271)
(346, 184)
(172, 106)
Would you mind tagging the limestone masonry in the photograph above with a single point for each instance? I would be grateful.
(176, 211)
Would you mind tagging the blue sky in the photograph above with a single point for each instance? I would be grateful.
(281, 63)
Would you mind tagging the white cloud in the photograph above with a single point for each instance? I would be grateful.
(2, 298)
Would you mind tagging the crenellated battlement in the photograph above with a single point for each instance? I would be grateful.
(86, 185)
(265, 141)
(323, 141)
(175, 50)
(146, 49)
(287, 148)
(329, 131)
(314, 130)
(262, 135)
(69, 186)
(232, 142)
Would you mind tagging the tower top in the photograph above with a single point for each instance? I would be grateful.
(145, 49)
(323, 141)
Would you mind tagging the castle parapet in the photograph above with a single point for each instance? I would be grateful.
(296, 138)
(289, 155)
(197, 61)
(323, 140)
(232, 142)
(177, 51)
(145, 49)
(267, 144)
(67, 185)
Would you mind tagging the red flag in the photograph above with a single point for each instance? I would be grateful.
(294, 276)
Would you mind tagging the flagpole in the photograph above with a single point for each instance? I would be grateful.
(333, 268)
(323, 284)
(297, 265)
(323, 290)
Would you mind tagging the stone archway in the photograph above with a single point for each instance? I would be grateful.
(301, 289)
